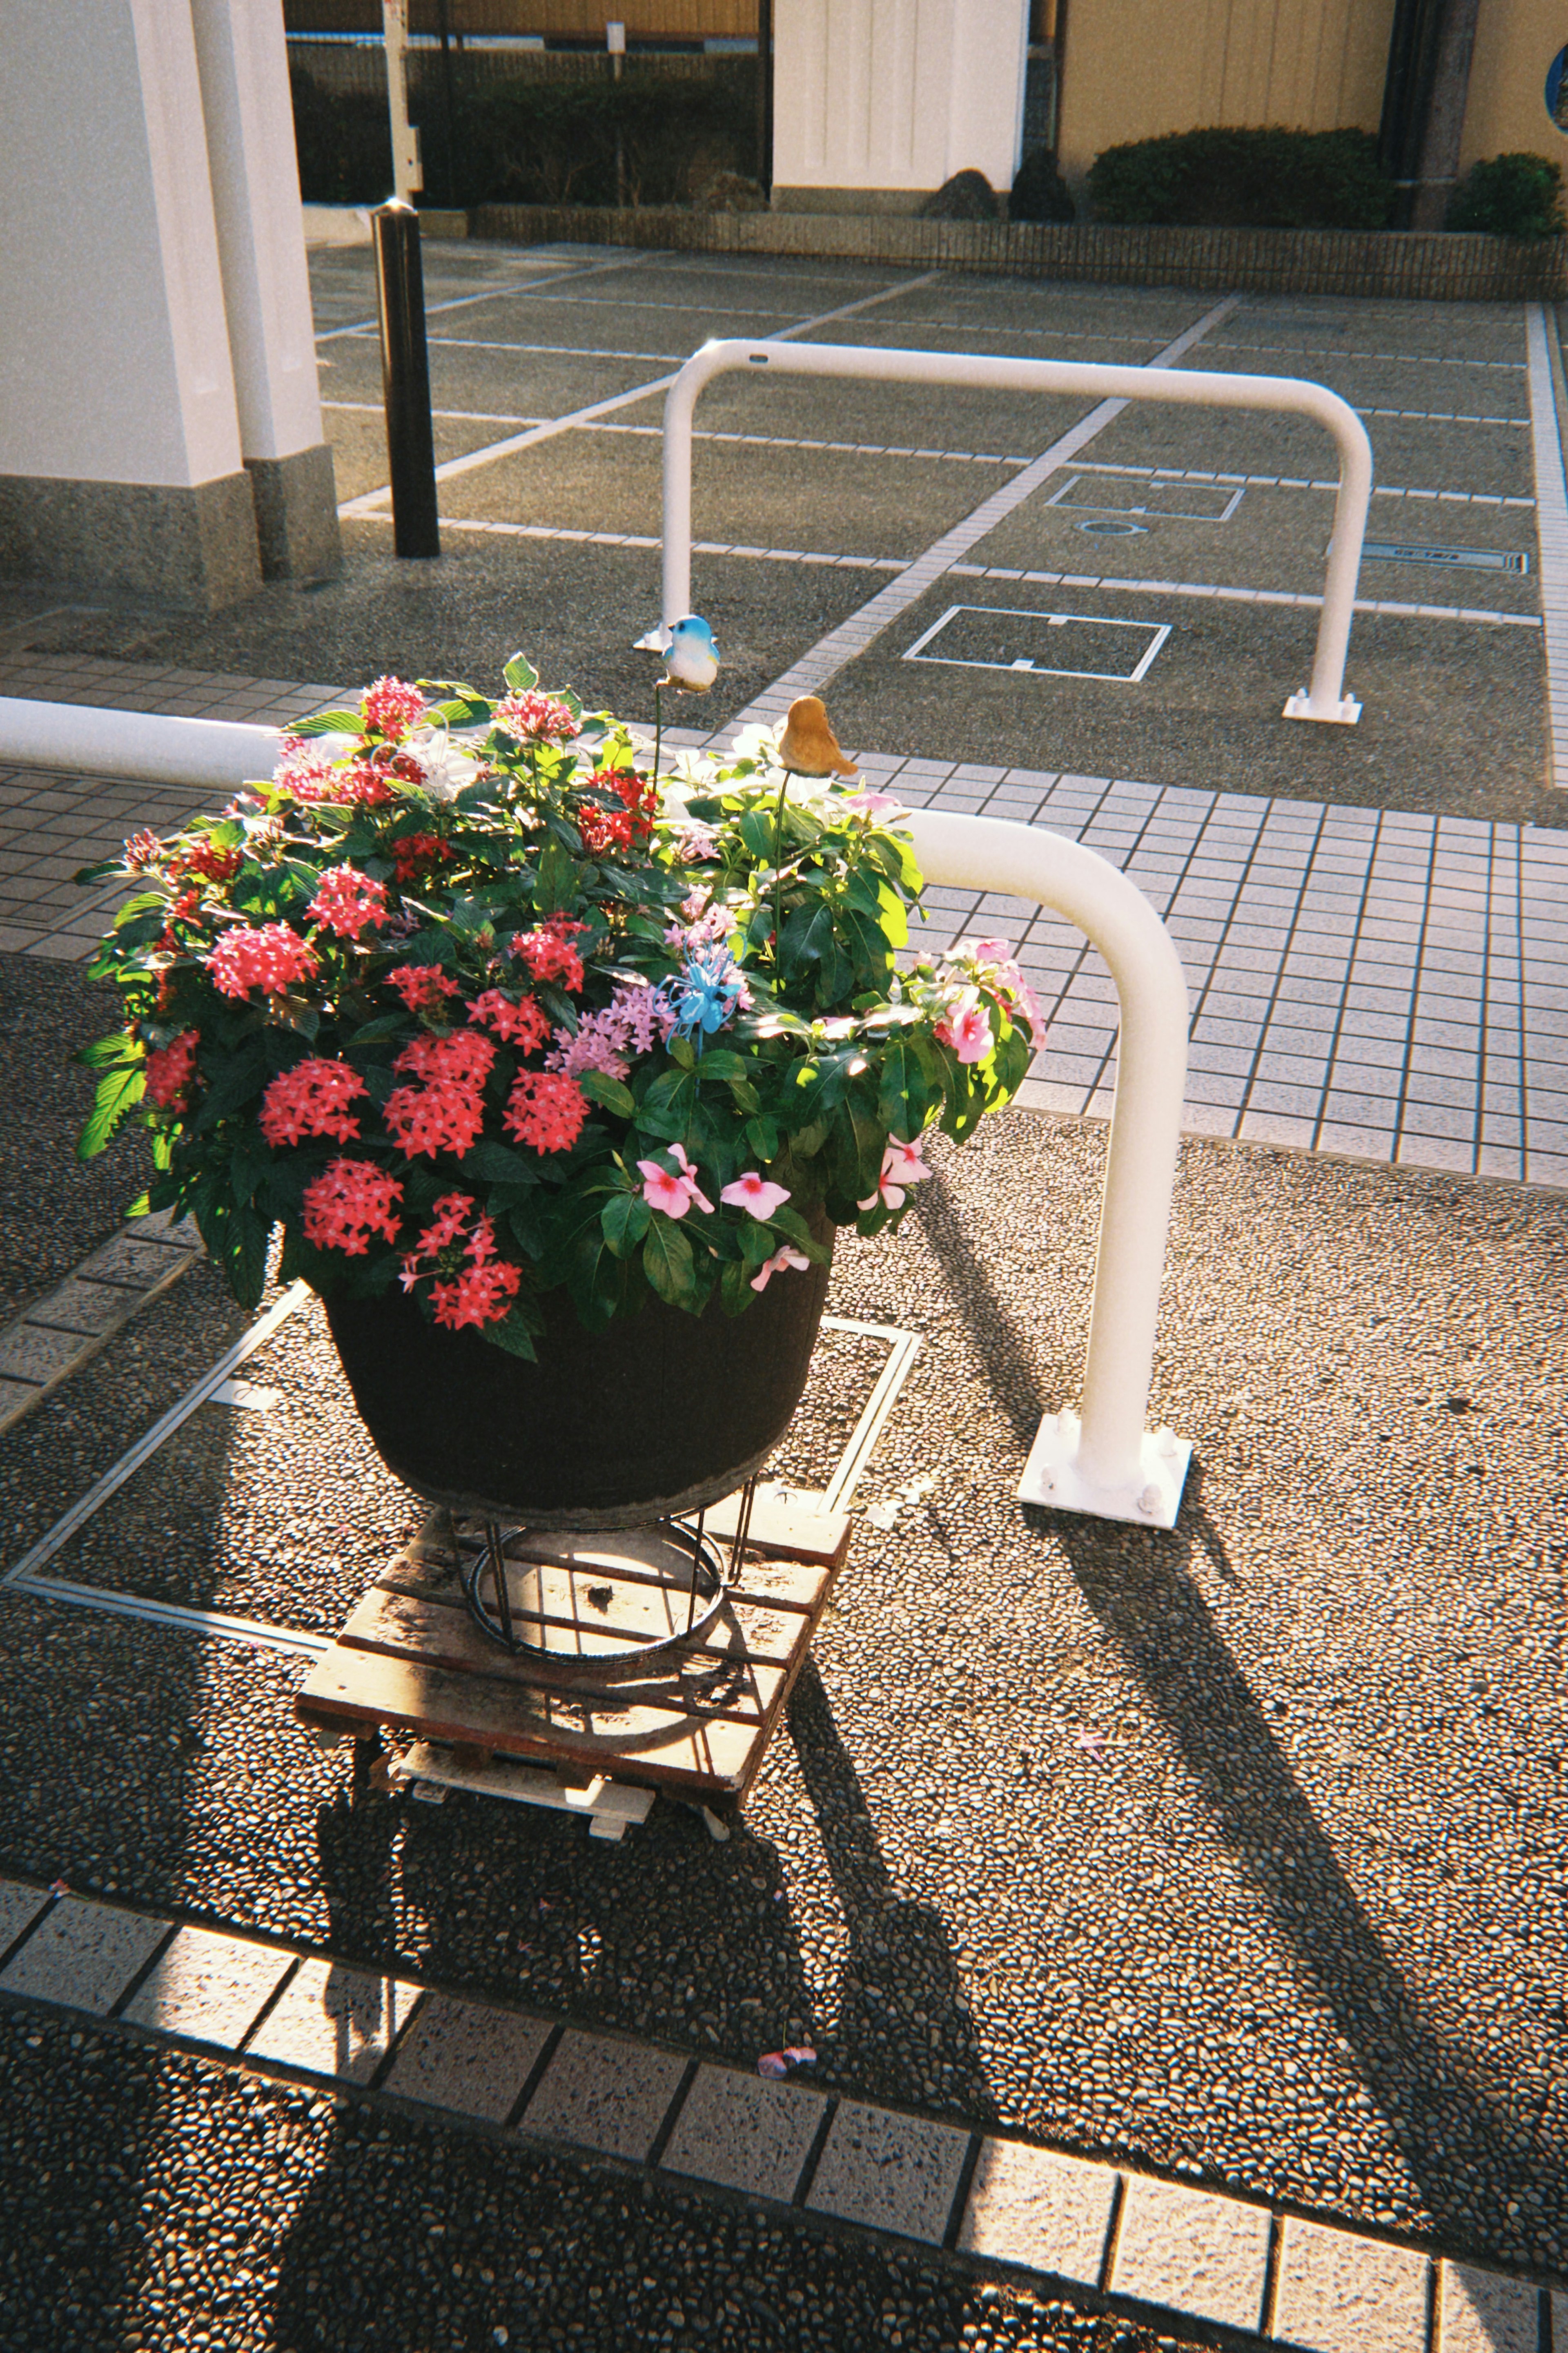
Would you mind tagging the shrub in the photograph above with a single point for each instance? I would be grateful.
(1513, 196)
(1039, 192)
(344, 144)
(1245, 179)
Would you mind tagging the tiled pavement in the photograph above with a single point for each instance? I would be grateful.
(59, 1332)
(1364, 981)
(1160, 2249)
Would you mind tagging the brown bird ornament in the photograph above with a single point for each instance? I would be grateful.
(809, 746)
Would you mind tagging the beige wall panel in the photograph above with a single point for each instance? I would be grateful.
(1140, 68)
(1516, 40)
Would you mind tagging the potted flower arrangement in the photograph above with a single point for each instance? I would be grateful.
(556, 1079)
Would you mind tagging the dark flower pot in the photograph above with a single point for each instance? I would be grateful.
(660, 1412)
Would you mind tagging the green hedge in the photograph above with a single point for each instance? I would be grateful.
(1513, 195)
(537, 142)
(1245, 179)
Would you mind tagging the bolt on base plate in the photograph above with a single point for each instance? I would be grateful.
(1343, 713)
(1052, 1478)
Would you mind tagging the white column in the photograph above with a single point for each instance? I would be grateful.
(876, 102)
(119, 445)
(242, 57)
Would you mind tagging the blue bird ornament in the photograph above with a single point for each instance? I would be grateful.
(690, 656)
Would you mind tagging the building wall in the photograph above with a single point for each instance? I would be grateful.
(876, 102)
(1140, 68)
(1505, 113)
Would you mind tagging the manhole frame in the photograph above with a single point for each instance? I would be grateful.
(1159, 632)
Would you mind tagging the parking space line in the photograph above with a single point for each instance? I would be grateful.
(1401, 359)
(640, 539)
(1436, 417)
(489, 293)
(1287, 482)
(369, 501)
(1551, 533)
(1243, 596)
(851, 638)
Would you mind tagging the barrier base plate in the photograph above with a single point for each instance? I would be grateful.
(1052, 1478)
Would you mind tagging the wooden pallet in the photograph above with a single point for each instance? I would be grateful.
(411, 1660)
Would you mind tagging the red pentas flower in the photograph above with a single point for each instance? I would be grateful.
(621, 828)
(346, 902)
(269, 958)
(424, 988)
(548, 951)
(535, 718)
(416, 853)
(208, 859)
(445, 1114)
(351, 1200)
(170, 1069)
(480, 1294)
(524, 1025)
(390, 707)
(545, 1111)
(311, 1099)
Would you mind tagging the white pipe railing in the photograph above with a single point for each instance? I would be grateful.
(1325, 699)
(1104, 1463)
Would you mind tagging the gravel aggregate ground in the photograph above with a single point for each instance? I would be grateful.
(53, 1209)
(1234, 1850)
(251, 2217)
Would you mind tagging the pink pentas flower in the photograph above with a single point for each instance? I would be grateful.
(391, 707)
(535, 718)
(637, 1018)
(872, 804)
(269, 958)
(142, 851)
(673, 1191)
(966, 1028)
(780, 1261)
(346, 902)
(351, 1200)
(753, 1192)
(170, 1069)
(545, 1110)
(902, 1164)
(311, 1099)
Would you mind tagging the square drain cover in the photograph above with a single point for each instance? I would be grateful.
(1181, 502)
(1046, 645)
(1461, 559)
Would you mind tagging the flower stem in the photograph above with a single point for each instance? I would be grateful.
(657, 726)
(778, 873)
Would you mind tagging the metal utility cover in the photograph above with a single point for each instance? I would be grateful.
(1042, 645)
(1180, 501)
(1456, 559)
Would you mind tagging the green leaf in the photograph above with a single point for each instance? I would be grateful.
(371, 1033)
(105, 1053)
(666, 1261)
(520, 674)
(600, 1088)
(556, 889)
(735, 1293)
(512, 1334)
(118, 1090)
(498, 1164)
(328, 723)
(625, 1219)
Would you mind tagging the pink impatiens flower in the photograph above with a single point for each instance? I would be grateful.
(673, 1192)
(777, 1264)
(753, 1192)
(346, 902)
(902, 1164)
(966, 1028)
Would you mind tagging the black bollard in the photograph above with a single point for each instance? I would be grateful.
(405, 379)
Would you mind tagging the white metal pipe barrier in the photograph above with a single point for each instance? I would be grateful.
(1325, 699)
(1104, 1463)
